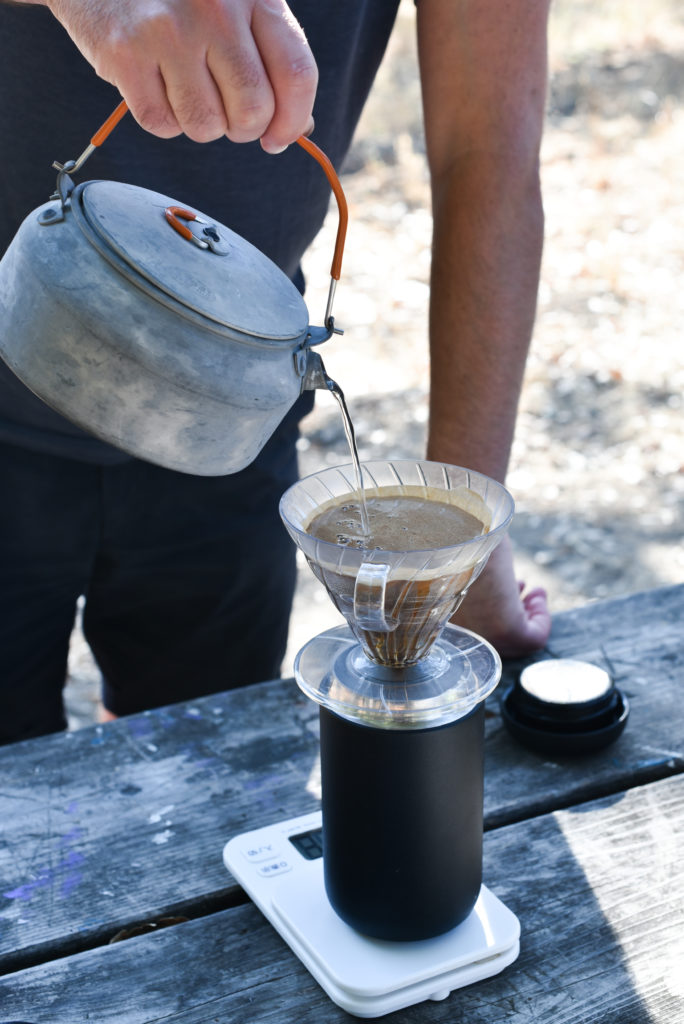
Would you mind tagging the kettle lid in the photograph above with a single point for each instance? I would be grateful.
(202, 264)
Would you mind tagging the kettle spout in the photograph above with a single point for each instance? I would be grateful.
(315, 375)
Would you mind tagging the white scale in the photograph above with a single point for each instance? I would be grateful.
(281, 868)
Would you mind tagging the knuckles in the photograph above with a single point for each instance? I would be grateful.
(302, 75)
(247, 98)
(156, 119)
(200, 116)
(249, 124)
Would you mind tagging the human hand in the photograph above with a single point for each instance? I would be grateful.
(240, 68)
(498, 608)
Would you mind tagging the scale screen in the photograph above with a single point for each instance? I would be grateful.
(309, 844)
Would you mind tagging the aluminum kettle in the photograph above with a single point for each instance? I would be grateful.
(155, 328)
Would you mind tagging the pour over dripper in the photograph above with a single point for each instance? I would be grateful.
(398, 665)
(397, 602)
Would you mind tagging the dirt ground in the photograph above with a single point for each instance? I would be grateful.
(598, 463)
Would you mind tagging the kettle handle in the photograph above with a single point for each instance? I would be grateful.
(105, 130)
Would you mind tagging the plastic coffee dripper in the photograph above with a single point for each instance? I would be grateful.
(397, 665)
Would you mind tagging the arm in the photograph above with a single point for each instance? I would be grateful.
(240, 68)
(483, 71)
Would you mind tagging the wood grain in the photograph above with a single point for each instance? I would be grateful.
(114, 825)
(599, 891)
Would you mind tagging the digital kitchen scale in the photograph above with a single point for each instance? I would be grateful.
(281, 869)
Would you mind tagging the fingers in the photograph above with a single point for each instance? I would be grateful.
(266, 78)
(537, 618)
(240, 68)
(292, 72)
(243, 89)
(213, 80)
(231, 76)
(147, 99)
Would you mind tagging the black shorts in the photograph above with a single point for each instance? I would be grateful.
(188, 581)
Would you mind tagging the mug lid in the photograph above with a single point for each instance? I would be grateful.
(564, 706)
(229, 281)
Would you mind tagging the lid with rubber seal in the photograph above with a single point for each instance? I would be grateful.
(563, 706)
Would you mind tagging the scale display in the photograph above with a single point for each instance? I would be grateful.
(281, 868)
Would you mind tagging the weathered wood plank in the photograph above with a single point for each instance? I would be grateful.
(640, 640)
(117, 823)
(599, 891)
(122, 823)
(634, 637)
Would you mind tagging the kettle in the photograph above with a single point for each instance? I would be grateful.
(155, 328)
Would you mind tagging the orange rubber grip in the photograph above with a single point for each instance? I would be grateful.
(110, 124)
(342, 208)
(172, 213)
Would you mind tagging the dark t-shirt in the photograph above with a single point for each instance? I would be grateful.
(52, 102)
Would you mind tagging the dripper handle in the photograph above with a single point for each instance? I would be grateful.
(369, 598)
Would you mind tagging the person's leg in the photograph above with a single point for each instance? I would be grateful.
(193, 585)
(48, 528)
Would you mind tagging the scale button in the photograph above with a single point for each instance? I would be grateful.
(275, 867)
(257, 852)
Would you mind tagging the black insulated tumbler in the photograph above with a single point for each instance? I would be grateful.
(402, 824)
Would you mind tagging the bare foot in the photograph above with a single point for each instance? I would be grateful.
(498, 608)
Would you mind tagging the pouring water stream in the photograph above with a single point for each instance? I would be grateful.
(334, 388)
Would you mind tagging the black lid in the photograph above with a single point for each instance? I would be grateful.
(563, 706)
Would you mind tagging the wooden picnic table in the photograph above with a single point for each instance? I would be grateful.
(123, 825)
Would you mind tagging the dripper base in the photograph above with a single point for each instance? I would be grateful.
(461, 670)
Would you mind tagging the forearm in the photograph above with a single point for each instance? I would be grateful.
(488, 241)
(483, 75)
(486, 255)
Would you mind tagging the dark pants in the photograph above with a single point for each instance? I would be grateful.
(188, 580)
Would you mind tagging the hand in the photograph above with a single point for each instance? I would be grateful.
(498, 609)
(240, 68)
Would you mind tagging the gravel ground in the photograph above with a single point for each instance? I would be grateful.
(598, 463)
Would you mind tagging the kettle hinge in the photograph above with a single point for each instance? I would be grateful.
(308, 363)
(65, 186)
